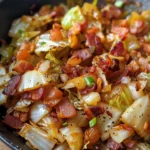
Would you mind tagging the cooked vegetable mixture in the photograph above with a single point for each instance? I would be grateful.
(79, 78)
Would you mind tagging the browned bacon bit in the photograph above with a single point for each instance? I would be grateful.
(129, 143)
(52, 96)
(45, 10)
(37, 94)
(88, 89)
(57, 12)
(112, 13)
(11, 88)
(146, 47)
(23, 66)
(118, 50)
(97, 110)
(92, 135)
(109, 113)
(70, 71)
(92, 69)
(112, 145)
(94, 43)
(13, 122)
(65, 109)
(24, 116)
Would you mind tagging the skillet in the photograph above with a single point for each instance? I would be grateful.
(9, 10)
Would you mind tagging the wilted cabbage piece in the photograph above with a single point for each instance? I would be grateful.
(108, 119)
(37, 137)
(73, 135)
(123, 99)
(32, 80)
(74, 15)
(45, 44)
(137, 115)
(119, 133)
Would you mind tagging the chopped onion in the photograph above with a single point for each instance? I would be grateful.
(44, 66)
(3, 97)
(126, 80)
(91, 98)
(135, 94)
(52, 126)
(140, 146)
(2, 71)
(23, 103)
(80, 119)
(64, 77)
(137, 114)
(37, 138)
(4, 79)
(32, 80)
(73, 135)
(119, 134)
(38, 111)
(108, 119)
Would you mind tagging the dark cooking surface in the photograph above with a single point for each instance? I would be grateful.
(9, 10)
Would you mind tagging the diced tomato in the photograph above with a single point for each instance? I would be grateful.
(65, 109)
(11, 88)
(56, 35)
(13, 122)
(52, 96)
(92, 135)
(24, 51)
(45, 10)
(23, 66)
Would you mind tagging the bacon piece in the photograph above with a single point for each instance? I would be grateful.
(94, 111)
(24, 51)
(58, 11)
(23, 66)
(72, 72)
(112, 13)
(11, 88)
(65, 109)
(13, 122)
(112, 145)
(79, 56)
(52, 96)
(129, 143)
(88, 89)
(146, 47)
(37, 94)
(56, 35)
(120, 27)
(45, 10)
(118, 50)
(94, 43)
(24, 116)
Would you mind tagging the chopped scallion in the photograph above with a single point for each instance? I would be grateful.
(93, 122)
(65, 123)
(119, 3)
(89, 81)
(43, 43)
(20, 31)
